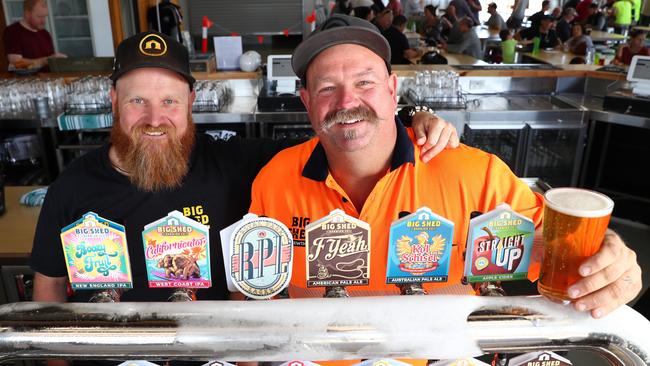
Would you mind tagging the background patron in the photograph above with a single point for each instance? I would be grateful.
(27, 43)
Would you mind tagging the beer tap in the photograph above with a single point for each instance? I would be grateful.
(107, 295)
(182, 294)
(336, 291)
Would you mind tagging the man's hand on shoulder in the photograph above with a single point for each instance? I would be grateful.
(433, 134)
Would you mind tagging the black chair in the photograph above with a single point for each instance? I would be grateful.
(433, 58)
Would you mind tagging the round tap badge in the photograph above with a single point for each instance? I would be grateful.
(153, 45)
(262, 250)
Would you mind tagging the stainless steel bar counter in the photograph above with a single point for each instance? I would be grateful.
(318, 329)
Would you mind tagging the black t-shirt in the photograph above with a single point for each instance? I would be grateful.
(563, 30)
(547, 40)
(598, 21)
(216, 192)
(535, 19)
(398, 44)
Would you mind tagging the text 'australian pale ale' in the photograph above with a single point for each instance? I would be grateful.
(575, 221)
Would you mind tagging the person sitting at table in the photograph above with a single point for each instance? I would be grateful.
(495, 22)
(400, 50)
(579, 42)
(469, 43)
(556, 13)
(547, 36)
(432, 25)
(383, 20)
(536, 18)
(635, 46)
(508, 45)
(563, 26)
(364, 12)
(596, 19)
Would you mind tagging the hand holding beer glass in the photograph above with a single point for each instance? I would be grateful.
(575, 221)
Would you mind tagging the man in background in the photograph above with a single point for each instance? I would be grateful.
(27, 43)
(469, 43)
(384, 20)
(563, 27)
(495, 22)
(401, 52)
(536, 18)
(518, 12)
(621, 11)
(547, 36)
(596, 19)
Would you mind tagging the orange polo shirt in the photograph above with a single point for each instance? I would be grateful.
(296, 188)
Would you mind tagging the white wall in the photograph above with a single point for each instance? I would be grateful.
(100, 27)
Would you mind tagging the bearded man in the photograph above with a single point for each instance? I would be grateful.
(156, 164)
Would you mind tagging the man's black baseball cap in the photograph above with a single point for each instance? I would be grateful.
(339, 29)
(152, 49)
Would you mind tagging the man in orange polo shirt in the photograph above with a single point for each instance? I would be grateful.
(363, 162)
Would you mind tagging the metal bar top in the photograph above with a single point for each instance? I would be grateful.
(429, 327)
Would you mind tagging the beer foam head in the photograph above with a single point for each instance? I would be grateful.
(579, 202)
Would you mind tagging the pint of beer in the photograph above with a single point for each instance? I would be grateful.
(575, 221)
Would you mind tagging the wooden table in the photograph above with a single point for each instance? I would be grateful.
(17, 225)
(555, 57)
(641, 27)
(460, 59)
(485, 33)
(600, 36)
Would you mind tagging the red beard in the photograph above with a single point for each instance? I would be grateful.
(153, 165)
